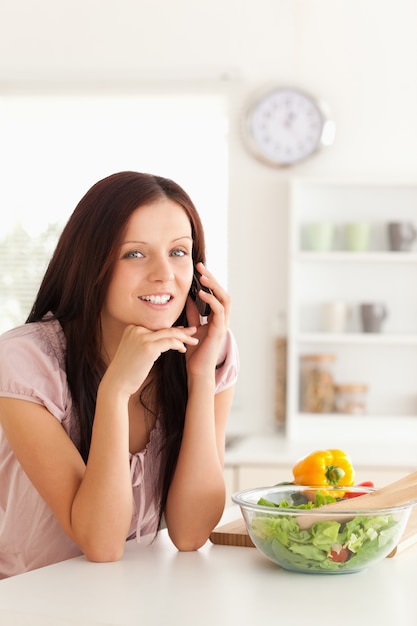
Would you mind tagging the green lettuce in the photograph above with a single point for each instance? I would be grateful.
(310, 550)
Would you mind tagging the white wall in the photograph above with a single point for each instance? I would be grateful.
(358, 55)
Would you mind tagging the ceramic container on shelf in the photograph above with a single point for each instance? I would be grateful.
(335, 316)
(373, 314)
(320, 236)
(402, 236)
(357, 236)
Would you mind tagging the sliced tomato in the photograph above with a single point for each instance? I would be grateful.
(340, 556)
(354, 494)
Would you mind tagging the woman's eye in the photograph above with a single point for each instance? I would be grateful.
(179, 253)
(133, 254)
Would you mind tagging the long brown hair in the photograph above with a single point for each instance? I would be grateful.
(74, 289)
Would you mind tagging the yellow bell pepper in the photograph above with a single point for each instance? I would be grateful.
(325, 468)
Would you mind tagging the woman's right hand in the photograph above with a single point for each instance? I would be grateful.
(138, 350)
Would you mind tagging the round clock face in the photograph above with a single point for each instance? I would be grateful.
(285, 126)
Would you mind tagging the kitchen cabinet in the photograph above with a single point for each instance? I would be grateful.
(247, 476)
(385, 361)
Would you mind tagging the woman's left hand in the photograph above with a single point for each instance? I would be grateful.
(203, 357)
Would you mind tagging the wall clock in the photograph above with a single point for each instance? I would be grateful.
(286, 125)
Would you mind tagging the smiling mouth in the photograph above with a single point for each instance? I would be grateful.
(156, 299)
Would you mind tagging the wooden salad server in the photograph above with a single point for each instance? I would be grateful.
(397, 493)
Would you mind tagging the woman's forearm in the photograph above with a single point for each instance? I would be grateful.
(197, 494)
(102, 509)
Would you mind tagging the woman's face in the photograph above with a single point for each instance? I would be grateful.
(153, 273)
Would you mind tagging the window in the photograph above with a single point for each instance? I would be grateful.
(55, 146)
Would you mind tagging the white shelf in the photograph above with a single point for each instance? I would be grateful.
(342, 417)
(368, 339)
(385, 361)
(356, 257)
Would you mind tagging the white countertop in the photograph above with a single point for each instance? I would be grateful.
(216, 586)
(273, 448)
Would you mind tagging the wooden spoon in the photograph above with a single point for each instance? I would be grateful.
(400, 492)
(405, 481)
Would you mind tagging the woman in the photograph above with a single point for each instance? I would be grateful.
(114, 395)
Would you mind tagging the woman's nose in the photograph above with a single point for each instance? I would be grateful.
(161, 271)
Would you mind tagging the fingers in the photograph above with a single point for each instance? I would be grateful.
(138, 350)
(140, 345)
(219, 295)
(173, 338)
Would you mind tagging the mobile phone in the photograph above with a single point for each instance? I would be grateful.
(203, 308)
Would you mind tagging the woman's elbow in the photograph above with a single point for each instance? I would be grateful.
(104, 554)
(189, 543)
(188, 539)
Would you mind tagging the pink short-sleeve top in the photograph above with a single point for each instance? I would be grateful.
(32, 367)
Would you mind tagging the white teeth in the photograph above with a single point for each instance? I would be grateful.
(157, 299)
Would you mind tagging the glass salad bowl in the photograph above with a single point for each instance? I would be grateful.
(285, 524)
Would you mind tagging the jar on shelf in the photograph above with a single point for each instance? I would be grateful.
(351, 398)
(317, 383)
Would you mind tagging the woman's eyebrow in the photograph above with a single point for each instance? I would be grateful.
(183, 237)
(136, 241)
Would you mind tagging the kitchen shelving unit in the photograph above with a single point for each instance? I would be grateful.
(386, 361)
